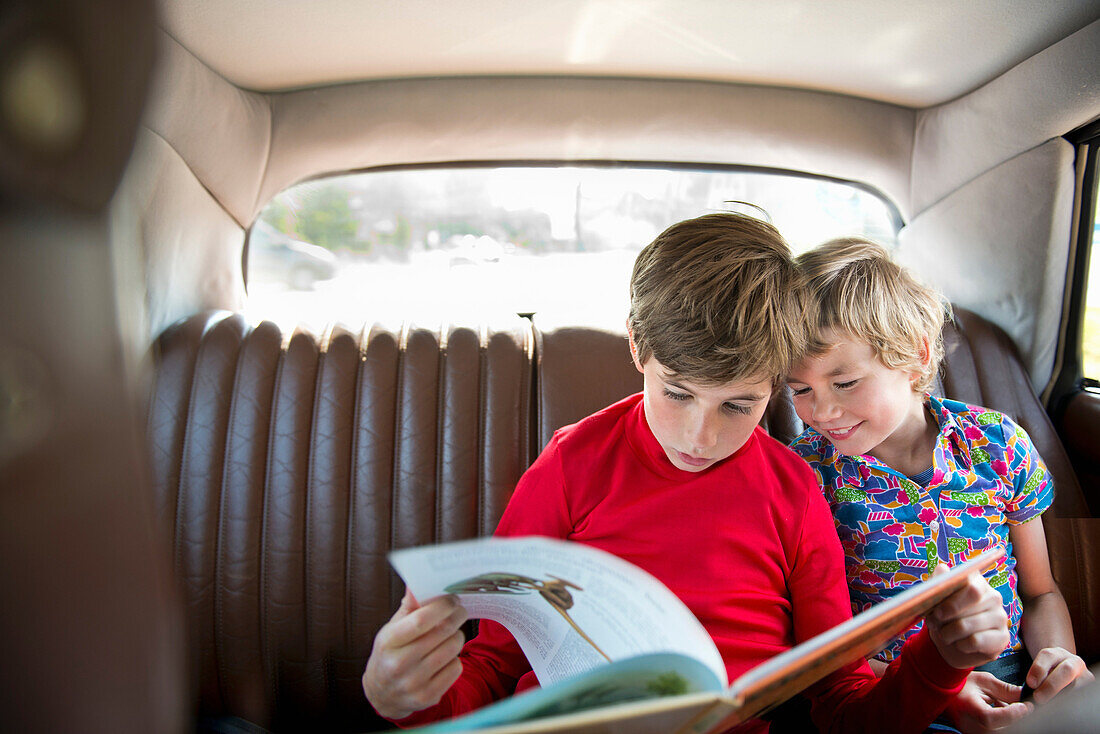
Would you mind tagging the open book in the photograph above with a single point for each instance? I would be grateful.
(616, 651)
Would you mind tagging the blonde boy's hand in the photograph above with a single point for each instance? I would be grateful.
(969, 627)
(986, 704)
(1055, 669)
(415, 656)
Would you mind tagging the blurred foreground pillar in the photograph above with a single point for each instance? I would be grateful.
(91, 635)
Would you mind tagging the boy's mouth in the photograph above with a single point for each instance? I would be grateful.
(691, 460)
(839, 434)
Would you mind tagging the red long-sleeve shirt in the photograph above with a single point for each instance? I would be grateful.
(749, 546)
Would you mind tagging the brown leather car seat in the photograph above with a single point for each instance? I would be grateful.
(285, 468)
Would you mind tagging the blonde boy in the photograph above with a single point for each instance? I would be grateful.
(914, 480)
(680, 480)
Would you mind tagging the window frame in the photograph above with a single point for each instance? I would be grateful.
(1070, 378)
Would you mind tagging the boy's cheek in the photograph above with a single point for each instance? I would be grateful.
(800, 409)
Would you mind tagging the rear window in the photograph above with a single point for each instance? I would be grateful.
(450, 243)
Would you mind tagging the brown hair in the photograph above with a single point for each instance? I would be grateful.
(851, 285)
(713, 299)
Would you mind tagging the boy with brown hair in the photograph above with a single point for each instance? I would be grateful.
(681, 481)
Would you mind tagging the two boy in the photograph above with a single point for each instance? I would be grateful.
(681, 481)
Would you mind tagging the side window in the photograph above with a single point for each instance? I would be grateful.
(430, 244)
(1080, 364)
(1090, 345)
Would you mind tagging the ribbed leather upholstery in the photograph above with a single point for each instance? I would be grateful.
(1074, 545)
(581, 370)
(287, 466)
(286, 471)
(982, 367)
(1081, 413)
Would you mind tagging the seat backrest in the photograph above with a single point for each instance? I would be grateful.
(582, 370)
(982, 367)
(286, 469)
(579, 371)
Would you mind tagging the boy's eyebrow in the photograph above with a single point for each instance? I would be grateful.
(840, 369)
(752, 397)
(674, 381)
(677, 381)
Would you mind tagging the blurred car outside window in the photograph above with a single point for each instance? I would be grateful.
(276, 256)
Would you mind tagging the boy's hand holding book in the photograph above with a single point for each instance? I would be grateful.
(415, 656)
(969, 627)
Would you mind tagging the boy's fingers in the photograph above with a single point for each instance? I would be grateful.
(408, 602)
(999, 716)
(439, 683)
(949, 607)
(998, 692)
(403, 678)
(406, 628)
(985, 625)
(443, 614)
(981, 647)
(972, 640)
(986, 704)
(414, 656)
(975, 595)
(431, 680)
(1049, 674)
(441, 656)
(1040, 667)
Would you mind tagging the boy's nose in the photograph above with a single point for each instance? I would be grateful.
(825, 409)
(703, 434)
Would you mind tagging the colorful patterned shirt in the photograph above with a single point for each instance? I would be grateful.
(987, 475)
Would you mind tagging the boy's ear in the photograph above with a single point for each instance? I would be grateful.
(634, 350)
(925, 358)
(925, 352)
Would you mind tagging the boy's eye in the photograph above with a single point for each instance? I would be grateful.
(740, 409)
(799, 390)
(676, 395)
(846, 385)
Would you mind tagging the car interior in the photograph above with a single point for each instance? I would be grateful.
(200, 486)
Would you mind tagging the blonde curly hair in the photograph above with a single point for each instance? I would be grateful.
(852, 286)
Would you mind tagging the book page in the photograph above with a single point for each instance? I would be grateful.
(571, 607)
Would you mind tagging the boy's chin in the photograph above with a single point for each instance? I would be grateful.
(849, 448)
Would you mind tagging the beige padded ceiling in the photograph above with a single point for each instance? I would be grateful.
(916, 53)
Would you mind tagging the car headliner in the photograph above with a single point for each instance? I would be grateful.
(916, 54)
